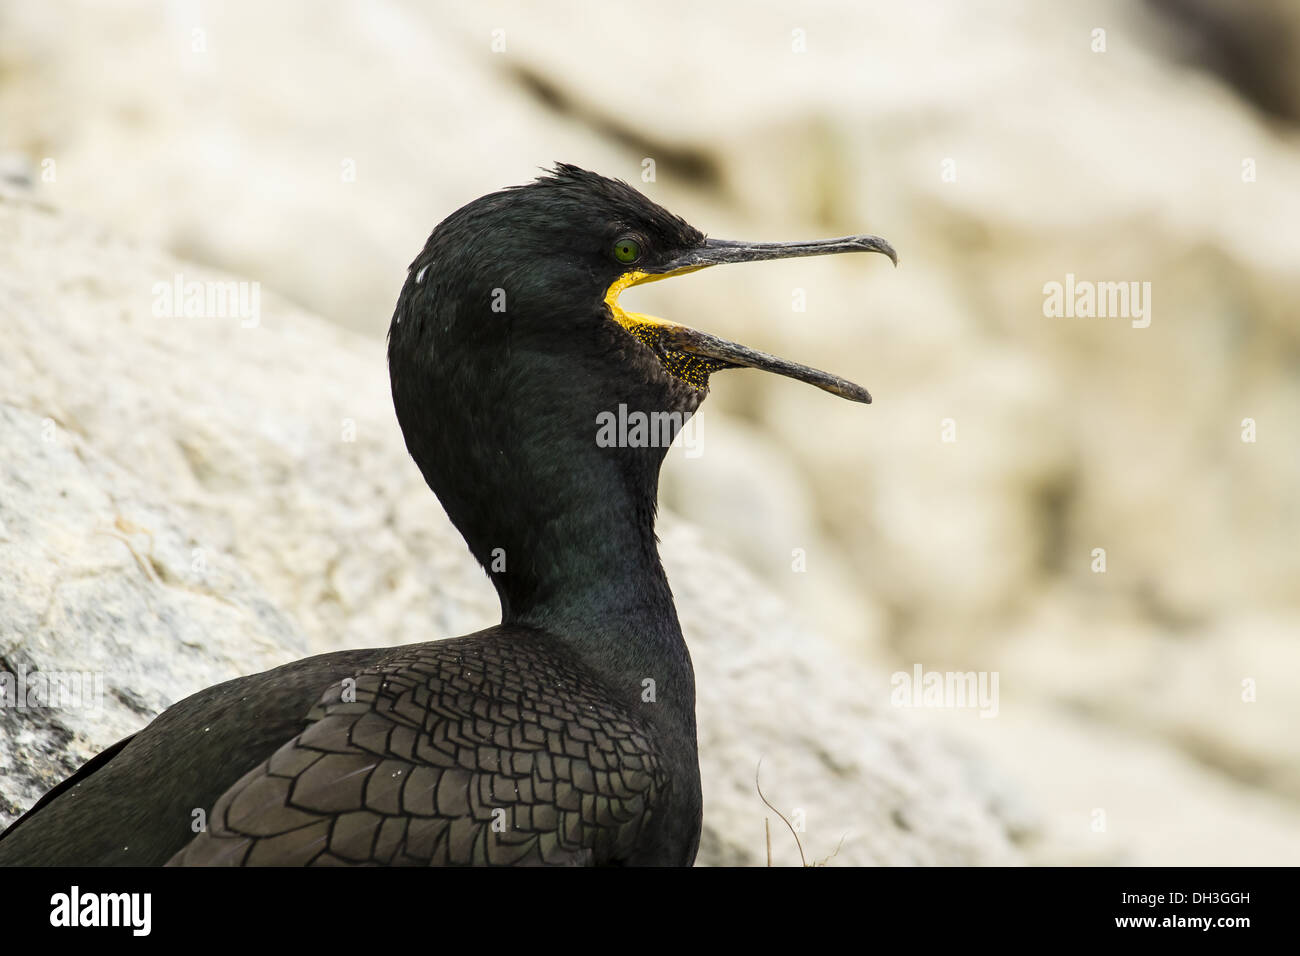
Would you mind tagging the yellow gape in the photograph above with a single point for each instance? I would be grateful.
(649, 329)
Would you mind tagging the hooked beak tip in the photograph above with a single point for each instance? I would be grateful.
(876, 244)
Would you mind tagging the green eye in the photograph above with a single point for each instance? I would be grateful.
(627, 249)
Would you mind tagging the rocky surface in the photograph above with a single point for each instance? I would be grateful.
(1000, 147)
(187, 499)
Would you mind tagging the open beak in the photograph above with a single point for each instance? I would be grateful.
(720, 353)
(717, 252)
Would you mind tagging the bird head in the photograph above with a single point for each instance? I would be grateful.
(539, 268)
(508, 349)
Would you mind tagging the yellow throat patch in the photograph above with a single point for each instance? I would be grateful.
(649, 330)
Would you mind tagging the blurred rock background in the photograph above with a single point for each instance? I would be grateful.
(999, 146)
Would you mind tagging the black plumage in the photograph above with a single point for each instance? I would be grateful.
(567, 733)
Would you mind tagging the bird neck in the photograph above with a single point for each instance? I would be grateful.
(586, 566)
(563, 523)
(589, 573)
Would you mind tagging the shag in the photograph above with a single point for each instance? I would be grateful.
(532, 742)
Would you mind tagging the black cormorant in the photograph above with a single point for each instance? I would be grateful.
(535, 741)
